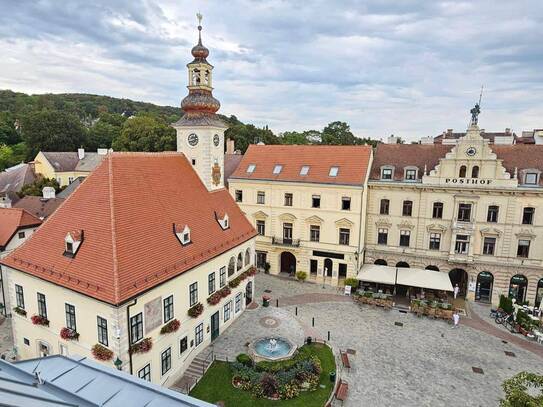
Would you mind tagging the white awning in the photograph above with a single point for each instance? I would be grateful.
(435, 280)
(374, 273)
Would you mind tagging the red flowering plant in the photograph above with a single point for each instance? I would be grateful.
(39, 320)
(142, 346)
(170, 327)
(100, 352)
(252, 271)
(196, 310)
(235, 282)
(68, 334)
(225, 291)
(214, 298)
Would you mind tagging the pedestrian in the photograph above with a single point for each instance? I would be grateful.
(456, 291)
(456, 319)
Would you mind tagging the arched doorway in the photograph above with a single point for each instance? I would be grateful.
(483, 289)
(433, 268)
(249, 293)
(539, 293)
(517, 288)
(328, 267)
(460, 277)
(380, 262)
(402, 264)
(288, 263)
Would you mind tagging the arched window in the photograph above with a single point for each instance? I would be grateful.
(247, 257)
(475, 172)
(539, 293)
(402, 264)
(518, 287)
(462, 172)
(240, 262)
(231, 266)
(380, 262)
(433, 268)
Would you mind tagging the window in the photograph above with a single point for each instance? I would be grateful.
(489, 245)
(462, 172)
(530, 178)
(239, 262)
(227, 310)
(183, 345)
(435, 241)
(407, 209)
(260, 197)
(462, 244)
(251, 168)
(492, 214)
(193, 161)
(136, 327)
(287, 232)
(346, 203)
(464, 212)
(523, 249)
(193, 294)
(405, 236)
(437, 210)
(277, 169)
(316, 201)
(410, 175)
(211, 283)
(314, 233)
(63, 349)
(288, 199)
(333, 171)
(70, 317)
(239, 195)
(222, 277)
(199, 334)
(168, 308)
(19, 296)
(344, 235)
(261, 227)
(475, 172)
(27, 341)
(69, 247)
(21, 235)
(385, 207)
(382, 236)
(166, 360)
(145, 373)
(528, 216)
(70, 180)
(102, 330)
(238, 303)
(386, 173)
(304, 170)
(42, 306)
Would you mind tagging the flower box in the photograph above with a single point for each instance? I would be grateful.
(235, 282)
(251, 272)
(142, 346)
(170, 327)
(225, 291)
(39, 320)
(69, 334)
(214, 298)
(20, 311)
(100, 352)
(196, 310)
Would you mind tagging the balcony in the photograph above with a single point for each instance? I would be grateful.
(281, 241)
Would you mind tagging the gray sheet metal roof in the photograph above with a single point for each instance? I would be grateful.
(78, 381)
(14, 178)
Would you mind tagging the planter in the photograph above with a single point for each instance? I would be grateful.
(170, 327)
(144, 346)
(20, 311)
(225, 292)
(39, 320)
(195, 311)
(69, 334)
(102, 353)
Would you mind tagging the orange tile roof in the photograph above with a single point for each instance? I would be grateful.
(13, 219)
(126, 209)
(352, 162)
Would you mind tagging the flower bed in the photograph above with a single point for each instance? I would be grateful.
(39, 320)
(100, 352)
(170, 327)
(142, 346)
(69, 334)
(20, 311)
(196, 310)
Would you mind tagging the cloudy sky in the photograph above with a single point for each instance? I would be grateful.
(412, 68)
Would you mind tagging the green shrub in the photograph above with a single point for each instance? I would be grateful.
(353, 282)
(301, 275)
(506, 304)
(244, 359)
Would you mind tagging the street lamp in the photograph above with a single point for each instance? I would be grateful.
(118, 363)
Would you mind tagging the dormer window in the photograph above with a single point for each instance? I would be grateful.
(251, 168)
(531, 178)
(304, 170)
(333, 171)
(223, 220)
(182, 234)
(410, 174)
(277, 169)
(72, 241)
(386, 173)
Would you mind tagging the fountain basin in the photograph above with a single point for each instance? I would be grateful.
(272, 349)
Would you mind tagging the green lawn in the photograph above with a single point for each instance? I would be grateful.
(216, 385)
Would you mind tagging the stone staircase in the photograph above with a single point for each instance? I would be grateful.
(194, 372)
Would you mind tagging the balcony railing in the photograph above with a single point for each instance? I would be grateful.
(281, 241)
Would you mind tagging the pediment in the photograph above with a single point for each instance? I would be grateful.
(436, 227)
(382, 222)
(344, 222)
(314, 219)
(406, 225)
(529, 233)
(260, 215)
(289, 217)
(491, 231)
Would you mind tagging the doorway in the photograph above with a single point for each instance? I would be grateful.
(214, 326)
(288, 263)
(460, 277)
(483, 289)
(261, 259)
(328, 267)
(517, 288)
(313, 268)
(539, 293)
(249, 293)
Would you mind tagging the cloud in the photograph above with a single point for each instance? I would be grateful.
(412, 68)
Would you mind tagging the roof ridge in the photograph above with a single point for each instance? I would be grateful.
(113, 234)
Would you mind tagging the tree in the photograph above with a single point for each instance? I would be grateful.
(339, 133)
(517, 393)
(36, 188)
(12, 155)
(51, 130)
(8, 133)
(293, 137)
(145, 133)
(245, 134)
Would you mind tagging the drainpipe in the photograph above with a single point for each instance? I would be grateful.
(3, 293)
(130, 333)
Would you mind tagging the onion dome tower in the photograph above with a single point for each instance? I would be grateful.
(200, 132)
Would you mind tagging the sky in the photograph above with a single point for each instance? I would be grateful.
(403, 67)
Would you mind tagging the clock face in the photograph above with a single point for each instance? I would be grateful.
(216, 140)
(471, 151)
(193, 139)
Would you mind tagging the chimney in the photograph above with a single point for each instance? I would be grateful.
(507, 130)
(449, 131)
(48, 193)
(81, 153)
(5, 201)
(230, 146)
(102, 151)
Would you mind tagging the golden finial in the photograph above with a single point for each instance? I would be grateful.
(199, 16)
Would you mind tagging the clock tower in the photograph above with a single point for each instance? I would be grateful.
(200, 132)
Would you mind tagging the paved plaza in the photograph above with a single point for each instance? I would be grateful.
(422, 363)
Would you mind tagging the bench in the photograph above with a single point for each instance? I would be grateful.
(341, 391)
(345, 359)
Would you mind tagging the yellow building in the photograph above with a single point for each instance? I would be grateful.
(307, 204)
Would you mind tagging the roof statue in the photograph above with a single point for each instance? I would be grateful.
(476, 110)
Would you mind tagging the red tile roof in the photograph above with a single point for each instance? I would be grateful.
(521, 157)
(13, 219)
(352, 161)
(126, 208)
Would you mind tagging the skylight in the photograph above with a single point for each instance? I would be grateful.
(251, 168)
(277, 169)
(304, 170)
(333, 171)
